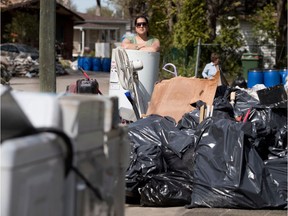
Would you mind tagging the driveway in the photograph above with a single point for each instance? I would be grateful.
(32, 84)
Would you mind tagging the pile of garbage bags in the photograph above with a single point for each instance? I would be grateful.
(221, 162)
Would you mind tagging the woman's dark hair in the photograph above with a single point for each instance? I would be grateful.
(141, 16)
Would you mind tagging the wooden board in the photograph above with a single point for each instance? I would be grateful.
(174, 97)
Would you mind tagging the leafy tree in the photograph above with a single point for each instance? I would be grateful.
(270, 27)
(105, 12)
(68, 4)
(191, 25)
(264, 25)
(216, 9)
(229, 40)
(22, 29)
(281, 41)
(179, 25)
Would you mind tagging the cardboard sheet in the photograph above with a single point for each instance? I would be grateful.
(174, 97)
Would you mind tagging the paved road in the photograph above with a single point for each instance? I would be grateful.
(32, 84)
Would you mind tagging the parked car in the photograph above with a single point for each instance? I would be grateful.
(14, 50)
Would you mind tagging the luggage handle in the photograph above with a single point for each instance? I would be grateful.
(84, 73)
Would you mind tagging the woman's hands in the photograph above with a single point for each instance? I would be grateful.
(155, 47)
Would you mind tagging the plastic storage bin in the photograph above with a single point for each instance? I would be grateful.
(99, 155)
(32, 176)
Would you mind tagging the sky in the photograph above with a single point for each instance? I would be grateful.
(82, 5)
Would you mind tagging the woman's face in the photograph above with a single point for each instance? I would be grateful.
(141, 26)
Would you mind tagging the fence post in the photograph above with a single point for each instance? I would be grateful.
(197, 58)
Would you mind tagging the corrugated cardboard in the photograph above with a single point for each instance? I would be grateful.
(174, 97)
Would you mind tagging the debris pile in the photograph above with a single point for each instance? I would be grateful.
(224, 161)
(21, 66)
(6, 74)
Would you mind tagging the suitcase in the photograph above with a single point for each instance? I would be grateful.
(84, 86)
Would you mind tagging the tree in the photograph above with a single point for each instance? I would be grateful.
(22, 29)
(180, 23)
(264, 22)
(105, 12)
(98, 8)
(68, 4)
(217, 8)
(191, 24)
(229, 40)
(270, 27)
(281, 40)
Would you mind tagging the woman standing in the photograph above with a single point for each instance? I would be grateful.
(142, 40)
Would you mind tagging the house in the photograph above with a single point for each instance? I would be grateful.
(65, 20)
(267, 51)
(99, 34)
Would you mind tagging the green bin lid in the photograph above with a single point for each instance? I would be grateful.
(251, 56)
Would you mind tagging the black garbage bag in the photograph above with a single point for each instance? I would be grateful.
(179, 163)
(146, 155)
(222, 108)
(269, 128)
(228, 172)
(239, 81)
(277, 168)
(281, 137)
(244, 101)
(147, 161)
(156, 144)
(189, 122)
(167, 189)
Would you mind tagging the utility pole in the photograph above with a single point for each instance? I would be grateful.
(47, 46)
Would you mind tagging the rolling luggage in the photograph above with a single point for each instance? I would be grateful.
(84, 86)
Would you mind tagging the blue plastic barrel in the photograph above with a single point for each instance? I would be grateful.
(255, 76)
(80, 61)
(97, 65)
(106, 64)
(283, 74)
(87, 63)
(271, 77)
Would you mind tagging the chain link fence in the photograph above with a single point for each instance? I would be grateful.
(189, 65)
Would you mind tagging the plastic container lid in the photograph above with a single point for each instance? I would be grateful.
(29, 149)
